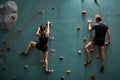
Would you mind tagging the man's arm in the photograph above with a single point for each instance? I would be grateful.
(89, 25)
(108, 33)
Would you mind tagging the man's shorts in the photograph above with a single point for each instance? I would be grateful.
(98, 43)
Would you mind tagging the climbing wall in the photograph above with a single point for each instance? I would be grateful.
(66, 17)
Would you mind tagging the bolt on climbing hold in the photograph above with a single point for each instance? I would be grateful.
(61, 57)
(52, 50)
(95, 1)
(92, 77)
(78, 28)
(62, 78)
(97, 56)
(41, 11)
(83, 12)
(68, 71)
(85, 39)
(79, 51)
(26, 66)
(51, 38)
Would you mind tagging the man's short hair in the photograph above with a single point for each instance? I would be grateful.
(98, 18)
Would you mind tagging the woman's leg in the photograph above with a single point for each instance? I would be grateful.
(45, 60)
(30, 45)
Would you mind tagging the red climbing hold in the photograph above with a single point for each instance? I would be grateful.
(92, 77)
(85, 39)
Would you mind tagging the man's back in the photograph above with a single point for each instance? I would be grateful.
(100, 31)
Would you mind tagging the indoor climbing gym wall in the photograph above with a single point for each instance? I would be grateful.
(19, 21)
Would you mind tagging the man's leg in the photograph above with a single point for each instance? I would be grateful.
(103, 57)
(87, 47)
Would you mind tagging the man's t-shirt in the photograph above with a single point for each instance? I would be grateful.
(100, 32)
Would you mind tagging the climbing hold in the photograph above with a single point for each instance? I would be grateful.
(1, 55)
(61, 57)
(41, 11)
(51, 38)
(97, 57)
(62, 78)
(8, 49)
(0, 49)
(68, 71)
(41, 61)
(79, 51)
(53, 8)
(3, 68)
(85, 39)
(78, 28)
(19, 31)
(14, 79)
(92, 77)
(83, 12)
(107, 43)
(26, 67)
(85, 64)
(95, 1)
(52, 50)
(91, 50)
(4, 43)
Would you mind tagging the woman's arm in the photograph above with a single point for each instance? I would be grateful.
(48, 29)
(38, 32)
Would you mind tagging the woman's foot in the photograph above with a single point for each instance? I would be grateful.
(49, 71)
(87, 63)
(22, 53)
(43, 63)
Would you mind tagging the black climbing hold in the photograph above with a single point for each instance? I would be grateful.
(78, 28)
(26, 67)
(3, 68)
(61, 57)
(13, 17)
(8, 49)
(83, 12)
(62, 78)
